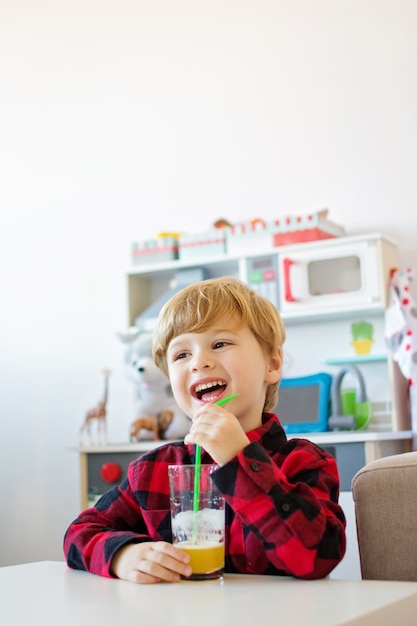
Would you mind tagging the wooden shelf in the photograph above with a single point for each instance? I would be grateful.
(367, 358)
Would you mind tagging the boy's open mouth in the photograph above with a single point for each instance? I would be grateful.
(211, 389)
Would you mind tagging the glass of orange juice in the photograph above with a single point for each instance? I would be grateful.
(198, 523)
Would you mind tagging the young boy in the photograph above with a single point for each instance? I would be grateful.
(213, 339)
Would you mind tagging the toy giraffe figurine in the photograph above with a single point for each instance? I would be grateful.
(97, 414)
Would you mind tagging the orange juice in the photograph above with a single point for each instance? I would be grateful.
(205, 557)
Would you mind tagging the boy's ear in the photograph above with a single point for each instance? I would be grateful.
(274, 367)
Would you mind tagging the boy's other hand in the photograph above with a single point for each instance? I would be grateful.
(150, 562)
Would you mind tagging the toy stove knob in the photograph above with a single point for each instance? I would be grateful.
(111, 472)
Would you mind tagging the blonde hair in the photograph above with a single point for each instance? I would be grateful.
(197, 307)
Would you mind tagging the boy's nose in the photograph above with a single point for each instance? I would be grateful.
(200, 360)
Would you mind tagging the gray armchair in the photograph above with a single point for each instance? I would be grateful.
(385, 496)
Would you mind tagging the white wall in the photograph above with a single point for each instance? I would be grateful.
(122, 119)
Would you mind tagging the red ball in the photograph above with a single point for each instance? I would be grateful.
(110, 472)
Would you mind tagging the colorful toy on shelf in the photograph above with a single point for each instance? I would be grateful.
(210, 243)
(255, 235)
(159, 250)
(97, 416)
(157, 424)
(154, 395)
(401, 335)
(363, 337)
(261, 234)
(351, 408)
(222, 223)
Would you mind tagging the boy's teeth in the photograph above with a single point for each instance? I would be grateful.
(205, 386)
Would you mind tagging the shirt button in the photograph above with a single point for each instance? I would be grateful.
(255, 467)
(285, 507)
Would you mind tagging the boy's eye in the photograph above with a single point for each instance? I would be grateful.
(180, 355)
(220, 344)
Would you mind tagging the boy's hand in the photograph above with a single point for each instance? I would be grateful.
(150, 562)
(219, 432)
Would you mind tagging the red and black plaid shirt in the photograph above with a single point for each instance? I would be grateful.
(282, 512)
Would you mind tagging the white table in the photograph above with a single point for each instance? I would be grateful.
(49, 594)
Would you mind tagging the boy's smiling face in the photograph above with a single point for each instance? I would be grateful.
(218, 362)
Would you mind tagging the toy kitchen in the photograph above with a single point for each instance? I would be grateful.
(341, 387)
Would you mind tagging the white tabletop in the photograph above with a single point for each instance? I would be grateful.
(49, 594)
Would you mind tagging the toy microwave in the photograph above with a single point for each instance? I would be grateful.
(339, 274)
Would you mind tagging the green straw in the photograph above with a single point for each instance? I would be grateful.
(196, 500)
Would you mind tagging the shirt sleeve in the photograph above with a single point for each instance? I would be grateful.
(288, 507)
(98, 532)
(136, 511)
